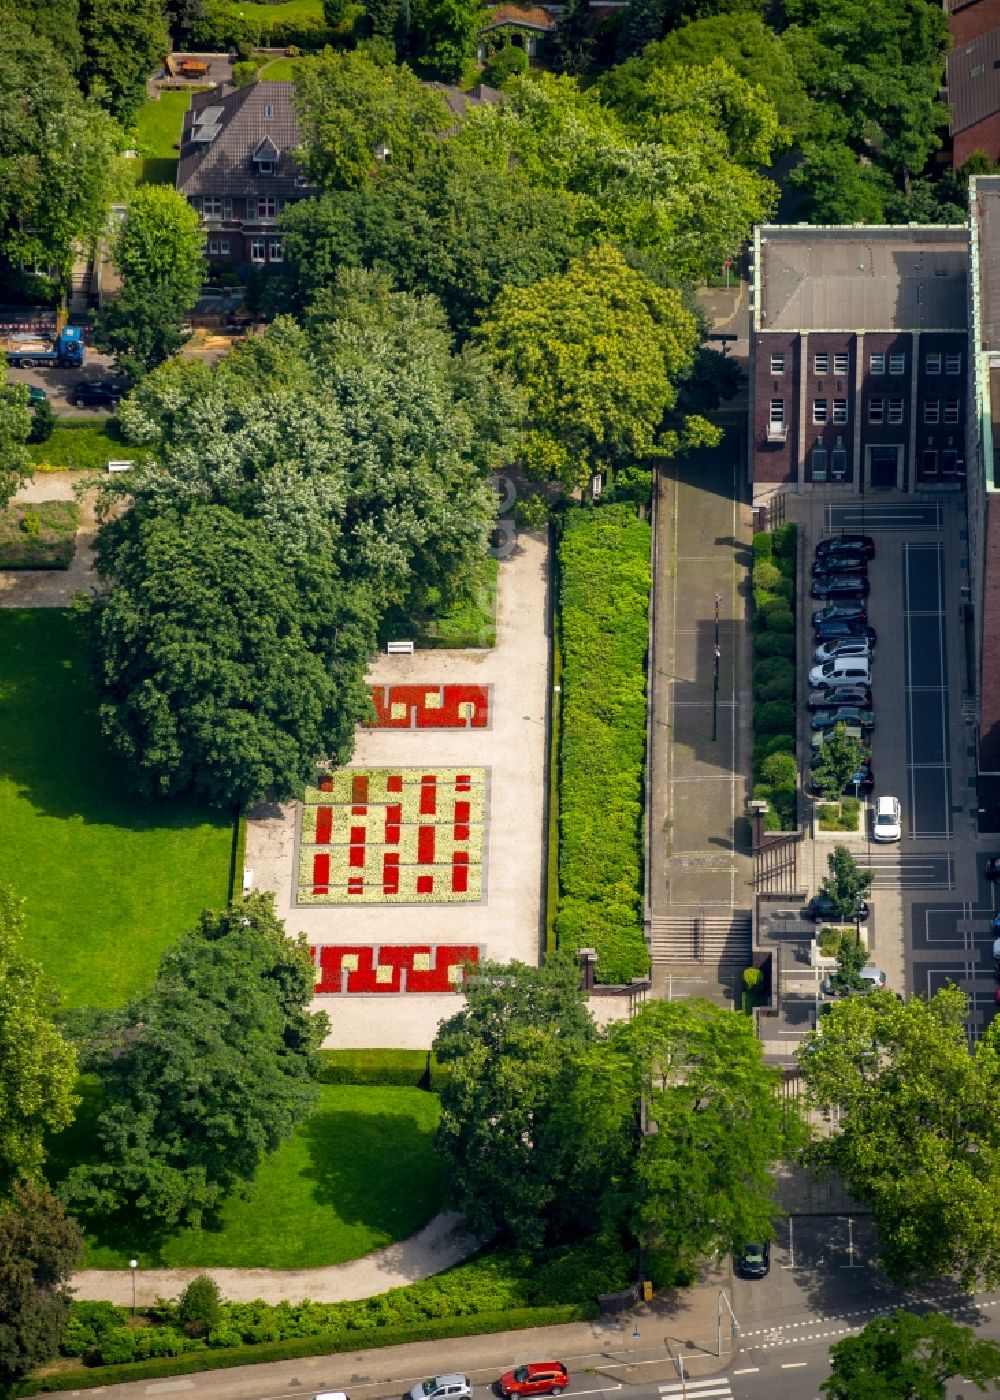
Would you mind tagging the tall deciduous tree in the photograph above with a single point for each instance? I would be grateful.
(124, 42)
(598, 351)
(209, 1071)
(15, 429)
(159, 251)
(839, 759)
(443, 34)
(37, 1067)
(917, 1138)
(909, 1356)
(39, 1248)
(355, 113)
(227, 668)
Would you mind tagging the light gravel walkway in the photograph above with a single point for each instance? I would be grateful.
(440, 1244)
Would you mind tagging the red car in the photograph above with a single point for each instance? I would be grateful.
(540, 1378)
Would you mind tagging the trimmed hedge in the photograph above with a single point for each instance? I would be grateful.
(416, 1069)
(605, 581)
(773, 624)
(429, 1329)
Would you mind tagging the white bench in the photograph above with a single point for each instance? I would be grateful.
(120, 466)
(399, 649)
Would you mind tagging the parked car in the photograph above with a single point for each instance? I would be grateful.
(842, 670)
(537, 1378)
(992, 871)
(841, 587)
(843, 714)
(841, 564)
(843, 646)
(847, 543)
(822, 909)
(852, 731)
(98, 393)
(887, 824)
(840, 695)
(753, 1261)
(845, 627)
(856, 611)
(36, 395)
(873, 977)
(449, 1387)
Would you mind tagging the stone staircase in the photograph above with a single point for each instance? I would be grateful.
(712, 940)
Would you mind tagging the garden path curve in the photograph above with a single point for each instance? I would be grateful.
(444, 1241)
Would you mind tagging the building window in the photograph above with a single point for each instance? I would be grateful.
(876, 410)
(876, 364)
(777, 364)
(897, 364)
(932, 364)
(219, 246)
(267, 207)
(777, 410)
(932, 411)
(895, 411)
(216, 207)
(821, 364)
(819, 460)
(838, 461)
(274, 250)
(265, 167)
(840, 410)
(949, 461)
(269, 110)
(930, 462)
(951, 410)
(953, 364)
(257, 250)
(841, 364)
(819, 410)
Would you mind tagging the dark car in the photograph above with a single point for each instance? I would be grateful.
(849, 611)
(36, 395)
(537, 1378)
(846, 544)
(98, 393)
(840, 695)
(753, 1260)
(841, 587)
(841, 564)
(844, 627)
(843, 714)
(822, 909)
(992, 871)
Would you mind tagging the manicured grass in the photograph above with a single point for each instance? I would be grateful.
(279, 70)
(50, 546)
(110, 878)
(83, 444)
(268, 15)
(159, 123)
(359, 1174)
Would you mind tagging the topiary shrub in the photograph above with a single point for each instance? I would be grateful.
(780, 618)
(506, 63)
(770, 672)
(752, 978)
(780, 770)
(766, 576)
(774, 717)
(762, 546)
(784, 541)
(774, 644)
(200, 1306)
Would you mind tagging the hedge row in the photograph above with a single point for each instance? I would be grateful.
(775, 772)
(417, 1069)
(430, 1329)
(223, 24)
(605, 580)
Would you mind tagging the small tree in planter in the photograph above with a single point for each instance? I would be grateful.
(846, 883)
(839, 759)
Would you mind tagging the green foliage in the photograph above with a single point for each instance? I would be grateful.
(124, 41)
(766, 576)
(774, 644)
(780, 770)
(774, 679)
(39, 1249)
(84, 445)
(40, 537)
(762, 547)
(601, 763)
(43, 421)
(846, 882)
(245, 72)
(443, 34)
(403, 1067)
(752, 978)
(200, 1306)
(917, 1138)
(779, 618)
(774, 766)
(784, 544)
(506, 63)
(15, 427)
(598, 350)
(39, 1067)
(89, 1324)
(205, 1073)
(838, 761)
(909, 1356)
(774, 717)
(839, 816)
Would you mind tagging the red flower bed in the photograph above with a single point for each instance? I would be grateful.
(431, 705)
(390, 967)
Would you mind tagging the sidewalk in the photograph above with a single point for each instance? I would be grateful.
(674, 1325)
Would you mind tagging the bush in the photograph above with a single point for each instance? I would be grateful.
(784, 542)
(245, 72)
(752, 978)
(774, 644)
(774, 679)
(200, 1306)
(88, 1325)
(781, 619)
(43, 420)
(774, 717)
(505, 63)
(31, 524)
(780, 770)
(762, 547)
(766, 576)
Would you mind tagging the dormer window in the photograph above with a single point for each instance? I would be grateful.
(265, 167)
(265, 157)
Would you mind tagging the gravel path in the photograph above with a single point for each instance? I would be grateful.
(440, 1244)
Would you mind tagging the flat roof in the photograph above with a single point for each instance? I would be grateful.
(986, 212)
(862, 278)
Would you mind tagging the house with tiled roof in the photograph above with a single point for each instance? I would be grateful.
(521, 26)
(238, 168)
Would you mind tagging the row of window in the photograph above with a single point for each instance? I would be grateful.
(268, 206)
(879, 411)
(933, 363)
(261, 249)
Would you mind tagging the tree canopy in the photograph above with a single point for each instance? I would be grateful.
(15, 429)
(846, 882)
(39, 1248)
(124, 41)
(909, 1356)
(917, 1137)
(206, 1073)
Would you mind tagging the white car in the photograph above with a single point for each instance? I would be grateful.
(888, 821)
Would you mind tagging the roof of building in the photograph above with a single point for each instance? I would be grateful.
(986, 264)
(226, 128)
(477, 96)
(524, 16)
(974, 80)
(861, 279)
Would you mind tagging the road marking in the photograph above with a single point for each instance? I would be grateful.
(709, 1387)
(793, 1365)
(747, 1371)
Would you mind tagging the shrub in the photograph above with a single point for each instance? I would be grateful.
(774, 717)
(245, 72)
(774, 644)
(781, 619)
(784, 541)
(762, 547)
(31, 524)
(766, 575)
(774, 679)
(505, 63)
(752, 978)
(43, 420)
(200, 1306)
(118, 1346)
(780, 770)
(89, 1323)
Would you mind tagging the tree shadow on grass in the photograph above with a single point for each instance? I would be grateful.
(380, 1171)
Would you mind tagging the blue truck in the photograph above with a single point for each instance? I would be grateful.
(24, 349)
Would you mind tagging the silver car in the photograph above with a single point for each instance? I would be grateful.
(451, 1387)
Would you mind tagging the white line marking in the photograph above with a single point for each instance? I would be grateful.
(793, 1365)
(747, 1371)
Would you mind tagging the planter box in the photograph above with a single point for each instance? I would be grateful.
(819, 835)
(820, 960)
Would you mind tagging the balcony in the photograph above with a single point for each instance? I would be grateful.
(777, 432)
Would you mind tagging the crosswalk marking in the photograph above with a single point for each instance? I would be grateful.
(713, 1386)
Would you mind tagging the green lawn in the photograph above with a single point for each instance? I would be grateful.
(360, 1173)
(159, 123)
(82, 444)
(279, 70)
(267, 15)
(110, 879)
(41, 535)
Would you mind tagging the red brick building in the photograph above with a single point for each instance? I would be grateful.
(858, 359)
(973, 78)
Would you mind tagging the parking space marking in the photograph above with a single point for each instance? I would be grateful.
(928, 767)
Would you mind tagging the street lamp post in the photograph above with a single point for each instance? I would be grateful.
(133, 1266)
(715, 678)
